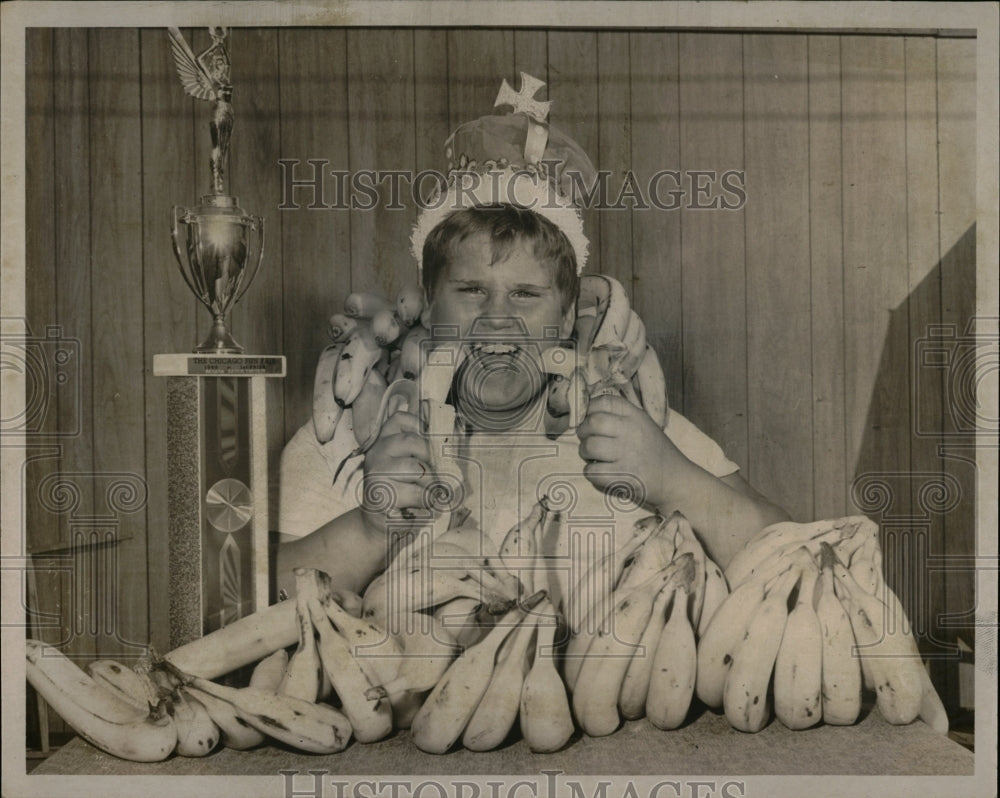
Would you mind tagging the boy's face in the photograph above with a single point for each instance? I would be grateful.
(507, 313)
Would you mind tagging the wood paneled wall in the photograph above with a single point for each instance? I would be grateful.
(788, 328)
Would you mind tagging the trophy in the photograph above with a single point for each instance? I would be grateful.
(221, 239)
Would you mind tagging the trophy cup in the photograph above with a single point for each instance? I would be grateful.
(221, 240)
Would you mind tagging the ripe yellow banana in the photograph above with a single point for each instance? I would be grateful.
(340, 326)
(316, 728)
(746, 698)
(716, 591)
(365, 304)
(136, 688)
(301, 678)
(197, 733)
(386, 327)
(546, 717)
(359, 356)
(841, 677)
(595, 697)
(410, 304)
(99, 716)
(497, 710)
(635, 685)
(798, 667)
(652, 386)
(773, 541)
(674, 671)
(443, 716)
(268, 673)
(885, 643)
(370, 719)
(326, 411)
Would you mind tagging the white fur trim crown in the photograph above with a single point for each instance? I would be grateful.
(522, 186)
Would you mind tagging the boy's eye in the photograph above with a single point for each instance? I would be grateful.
(470, 289)
(524, 293)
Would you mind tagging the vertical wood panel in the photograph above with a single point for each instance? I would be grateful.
(874, 250)
(171, 313)
(956, 93)
(116, 258)
(779, 353)
(430, 100)
(829, 466)
(609, 253)
(314, 243)
(573, 88)
(650, 127)
(713, 243)
(531, 55)
(477, 61)
(380, 88)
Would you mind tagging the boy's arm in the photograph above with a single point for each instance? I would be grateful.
(618, 438)
(344, 548)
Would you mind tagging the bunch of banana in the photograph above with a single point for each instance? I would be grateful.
(452, 704)
(809, 623)
(612, 356)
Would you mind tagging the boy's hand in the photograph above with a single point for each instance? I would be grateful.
(621, 443)
(397, 471)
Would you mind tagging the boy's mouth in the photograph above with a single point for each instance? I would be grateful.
(493, 348)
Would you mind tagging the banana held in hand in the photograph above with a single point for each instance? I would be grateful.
(798, 668)
(410, 304)
(359, 356)
(546, 717)
(674, 671)
(746, 698)
(652, 386)
(326, 410)
(365, 304)
(99, 716)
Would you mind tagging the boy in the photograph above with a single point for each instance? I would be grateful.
(505, 276)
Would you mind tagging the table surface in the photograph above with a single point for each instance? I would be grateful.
(707, 745)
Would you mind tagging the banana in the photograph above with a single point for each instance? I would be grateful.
(373, 647)
(326, 410)
(428, 650)
(687, 542)
(410, 304)
(635, 685)
(386, 327)
(497, 710)
(521, 549)
(102, 718)
(765, 546)
(841, 671)
(410, 354)
(443, 716)
(674, 669)
(235, 732)
(340, 326)
(609, 322)
(316, 728)
(745, 697)
(269, 672)
(652, 386)
(197, 733)
(301, 678)
(595, 697)
(633, 350)
(716, 592)
(371, 720)
(136, 688)
(365, 304)
(727, 629)
(653, 555)
(545, 714)
(798, 667)
(461, 617)
(359, 356)
(888, 647)
(365, 409)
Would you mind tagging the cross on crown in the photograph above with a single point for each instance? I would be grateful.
(524, 102)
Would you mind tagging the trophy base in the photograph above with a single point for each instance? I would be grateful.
(219, 342)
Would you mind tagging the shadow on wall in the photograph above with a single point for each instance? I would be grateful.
(916, 474)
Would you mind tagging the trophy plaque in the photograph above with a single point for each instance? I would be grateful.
(217, 463)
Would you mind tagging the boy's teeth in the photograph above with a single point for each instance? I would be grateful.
(493, 348)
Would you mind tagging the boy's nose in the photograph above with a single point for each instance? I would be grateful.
(492, 324)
